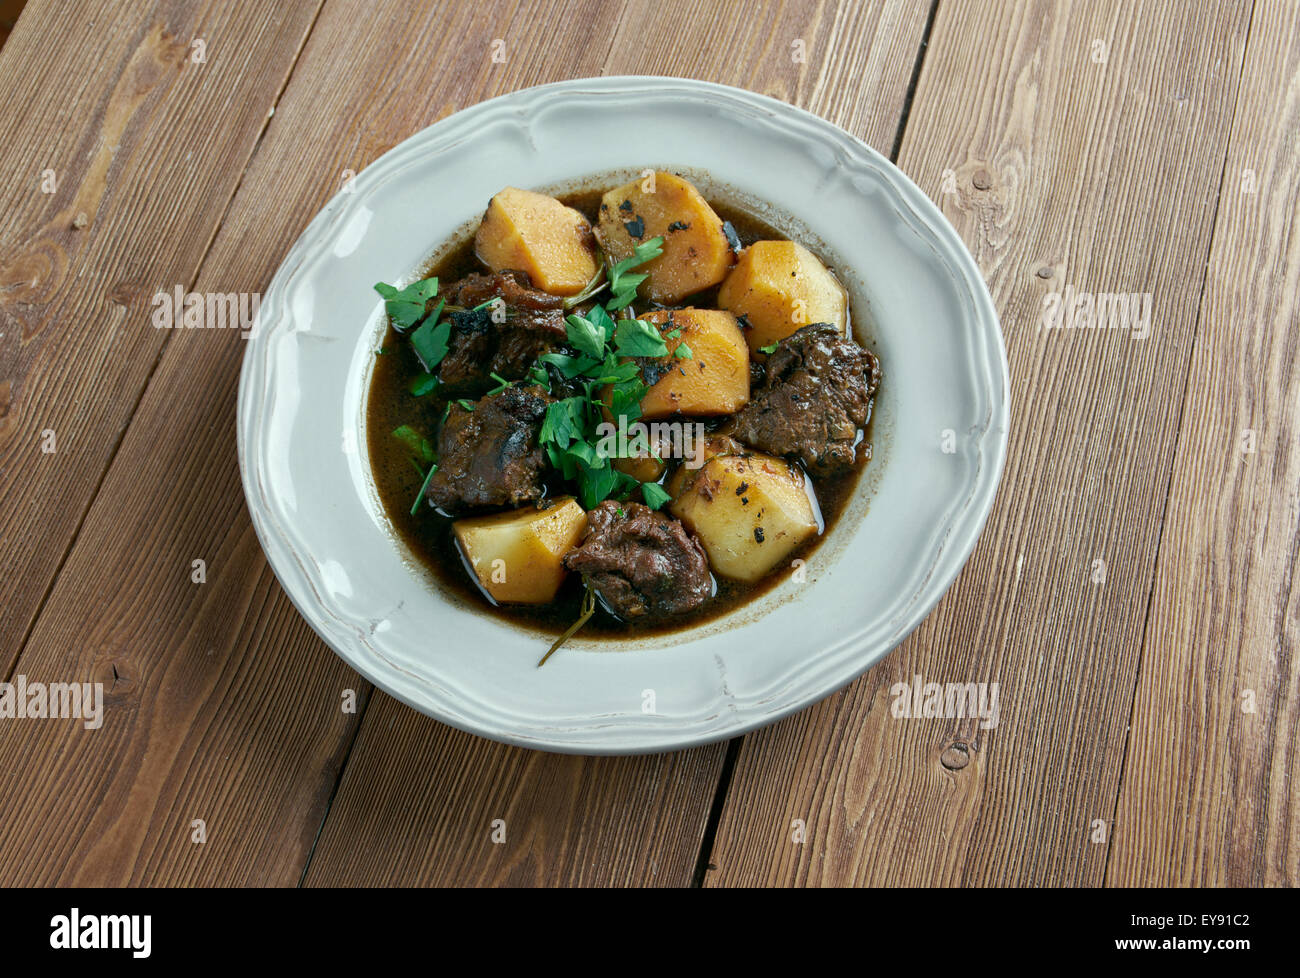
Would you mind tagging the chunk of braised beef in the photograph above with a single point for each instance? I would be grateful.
(490, 456)
(505, 342)
(642, 562)
(467, 367)
(813, 401)
(513, 286)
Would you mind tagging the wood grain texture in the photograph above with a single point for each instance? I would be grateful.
(424, 804)
(1056, 166)
(142, 147)
(1100, 174)
(1211, 793)
(425, 795)
(224, 704)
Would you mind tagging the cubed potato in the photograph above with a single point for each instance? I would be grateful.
(714, 444)
(518, 556)
(750, 512)
(696, 253)
(780, 287)
(714, 380)
(537, 234)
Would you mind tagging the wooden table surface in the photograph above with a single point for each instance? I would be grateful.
(1134, 595)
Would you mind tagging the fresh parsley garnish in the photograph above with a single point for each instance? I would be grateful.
(421, 452)
(502, 384)
(585, 336)
(423, 487)
(406, 307)
(770, 348)
(635, 338)
(618, 278)
(602, 366)
(622, 282)
(596, 484)
(565, 421)
(422, 384)
(431, 340)
(654, 494)
(415, 443)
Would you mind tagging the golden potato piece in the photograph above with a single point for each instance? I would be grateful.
(714, 380)
(537, 234)
(518, 557)
(696, 253)
(714, 444)
(779, 287)
(646, 468)
(750, 512)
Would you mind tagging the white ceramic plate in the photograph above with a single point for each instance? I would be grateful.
(918, 299)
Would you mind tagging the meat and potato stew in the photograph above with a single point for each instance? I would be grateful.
(627, 410)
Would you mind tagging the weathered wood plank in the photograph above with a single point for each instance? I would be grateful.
(225, 706)
(121, 153)
(424, 804)
(1211, 792)
(1072, 162)
(417, 798)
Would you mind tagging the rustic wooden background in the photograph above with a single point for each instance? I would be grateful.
(1150, 720)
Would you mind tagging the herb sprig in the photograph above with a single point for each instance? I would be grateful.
(606, 350)
(618, 278)
(588, 609)
(408, 311)
(407, 306)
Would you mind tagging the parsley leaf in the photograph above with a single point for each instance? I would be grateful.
(623, 285)
(654, 494)
(641, 254)
(600, 318)
(568, 366)
(415, 443)
(625, 398)
(635, 338)
(770, 348)
(422, 384)
(406, 307)
(430, 341)
(596, 484)
(586, 336)
(563, 424)
(565, 463)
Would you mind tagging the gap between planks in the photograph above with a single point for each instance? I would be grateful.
(361, 714)
(1178, 437)
(705, 857)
